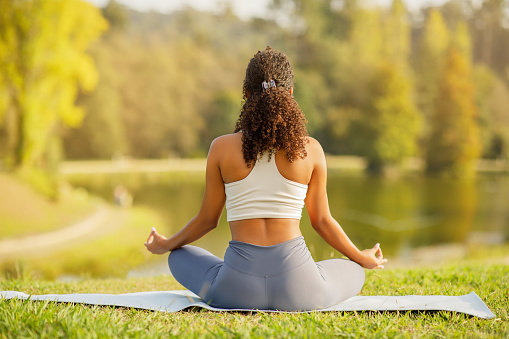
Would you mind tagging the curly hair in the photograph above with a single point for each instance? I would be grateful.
(270, 119)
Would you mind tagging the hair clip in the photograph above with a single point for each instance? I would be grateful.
(269, 84)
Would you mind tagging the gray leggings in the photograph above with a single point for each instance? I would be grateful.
(280, 277)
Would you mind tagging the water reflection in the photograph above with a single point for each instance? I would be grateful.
(404, 214)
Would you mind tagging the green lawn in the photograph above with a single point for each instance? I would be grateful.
(487, 277)
(24, 211)
(112, 252)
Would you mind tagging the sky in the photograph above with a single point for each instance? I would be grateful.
(242, 8)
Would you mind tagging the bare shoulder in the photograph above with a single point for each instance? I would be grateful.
(226, 153)
(314, 148)
(228, 137)
(226, 142)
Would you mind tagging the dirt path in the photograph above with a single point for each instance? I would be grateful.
(103, 220)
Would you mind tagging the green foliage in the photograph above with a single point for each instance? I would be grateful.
(332, 72)
(389, 123)
(386, 124)
(446, 96)
(454, 139)
(101, 135)
(168, 83)
(396, 31)
(167, 87)
(116, 16)
(44, 63)
(492, 98)
(428, 62)
(221, 116)
(489, 28)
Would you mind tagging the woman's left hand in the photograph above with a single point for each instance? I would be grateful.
(156, 243)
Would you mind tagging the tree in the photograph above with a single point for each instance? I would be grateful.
(490, 26)
(396, 30)
(453, 143)
(116, 16)
(334, 69)
(101, 135)
(429, 61)
(43, 66)
(389, 124)
(492, 100)
(390, 121)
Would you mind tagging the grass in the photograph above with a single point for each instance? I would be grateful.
(487, 277)
(111, 253)
(24, 211)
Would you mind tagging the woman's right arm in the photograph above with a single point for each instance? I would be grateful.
(328, 228)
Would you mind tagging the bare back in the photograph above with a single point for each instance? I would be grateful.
(263, 232)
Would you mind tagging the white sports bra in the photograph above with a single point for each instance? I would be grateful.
(264, 193)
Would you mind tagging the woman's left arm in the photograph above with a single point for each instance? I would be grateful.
(207, 218)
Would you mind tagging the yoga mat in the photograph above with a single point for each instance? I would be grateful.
(174, 301)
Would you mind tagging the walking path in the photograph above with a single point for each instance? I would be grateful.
(103, 219)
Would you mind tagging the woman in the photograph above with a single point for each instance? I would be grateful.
(265, 172)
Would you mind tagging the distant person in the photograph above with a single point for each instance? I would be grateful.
(122, 197)
(265, 172)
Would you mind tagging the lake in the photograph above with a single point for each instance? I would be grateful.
(407, 215)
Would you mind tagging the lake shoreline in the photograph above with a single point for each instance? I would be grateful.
(130, 165)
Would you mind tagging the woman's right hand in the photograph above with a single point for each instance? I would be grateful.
(372, 258)
(156, 243)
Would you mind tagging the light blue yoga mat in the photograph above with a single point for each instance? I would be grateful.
(174, 301)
